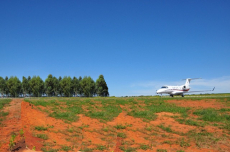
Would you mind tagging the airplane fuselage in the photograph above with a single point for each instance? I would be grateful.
(173, 90)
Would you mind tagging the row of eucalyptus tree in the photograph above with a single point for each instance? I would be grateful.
(52, 86)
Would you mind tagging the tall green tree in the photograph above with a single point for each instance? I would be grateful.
(25, 86)
(14, 86)
(37, 86)
(79, 89)
(60, 91)
(56, 86)
(29, 88)
(88, 86)
(66, 86)
(6, 88)
(51, 85)
(101, 87)
(75, 86)
(2, 86)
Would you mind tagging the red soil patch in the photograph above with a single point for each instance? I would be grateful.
(165, 119)
(11, 125)
(118, 144)
(124, 119)
(93, 132)
(32, 118)
(207, 103)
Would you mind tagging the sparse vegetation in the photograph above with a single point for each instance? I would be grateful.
(106, 113)
(34, 148)
(191, 122)
(202, 138)
(212, 115)
(21, 132)
(144, 147)
(101, 147)
(128, 149)
(183, 143)
(66, 148)
(12, 143)
(161, 150)
(44, 149)
(120, 126)
(4, 102)
(146, 115)
(167, 129)
(121, 134)
(42, 136)
(3, 114)
(152, 111)
(41, 128)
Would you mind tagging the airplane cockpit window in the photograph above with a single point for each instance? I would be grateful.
(164, 87)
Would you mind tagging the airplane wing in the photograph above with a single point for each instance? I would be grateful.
(201, 91)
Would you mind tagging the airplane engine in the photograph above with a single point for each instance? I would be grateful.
(184, 87)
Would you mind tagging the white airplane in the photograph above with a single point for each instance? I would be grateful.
(179, 90)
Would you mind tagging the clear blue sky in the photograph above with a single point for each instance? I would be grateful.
(136, 45)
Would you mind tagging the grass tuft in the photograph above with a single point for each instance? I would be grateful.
(40, 128)
(144, 147)
(106, 113)
(161, 150)
(101, 147)
(121, 134)
(128, 149)
(66, 148)
(44, 149)
(42, 136)
(12, 143)
(120, 126)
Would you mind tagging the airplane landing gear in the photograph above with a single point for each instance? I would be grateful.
(182, 95)
(171, 95)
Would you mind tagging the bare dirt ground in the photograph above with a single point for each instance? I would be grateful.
(11, 125)
(88, 132)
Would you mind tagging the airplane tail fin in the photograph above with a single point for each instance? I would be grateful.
(187, 82)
